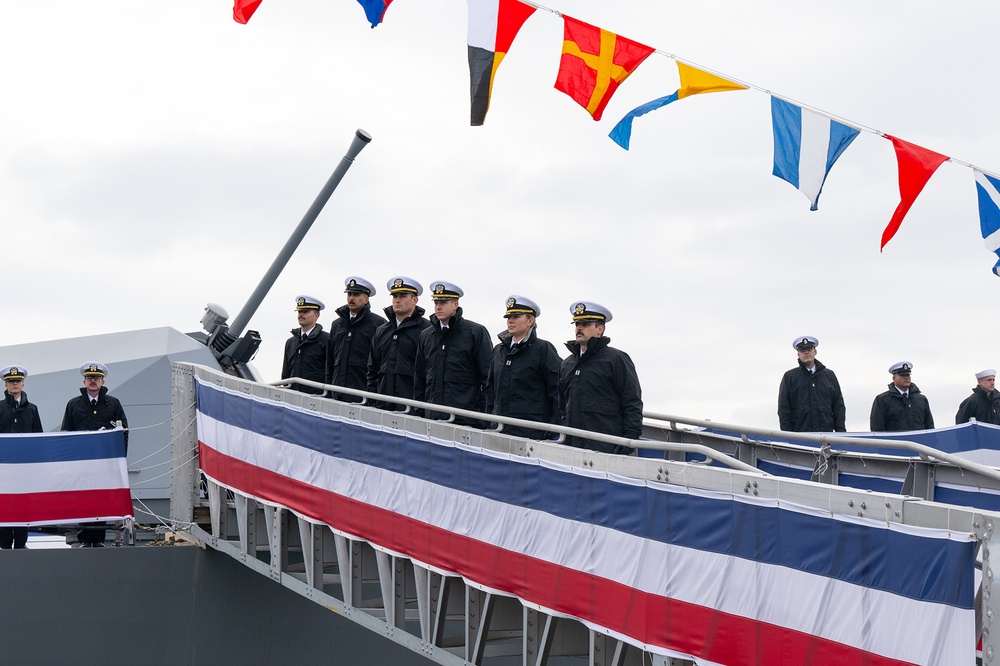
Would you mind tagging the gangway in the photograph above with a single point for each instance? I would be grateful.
(470, 546)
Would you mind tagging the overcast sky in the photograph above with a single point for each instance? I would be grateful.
(155, 157)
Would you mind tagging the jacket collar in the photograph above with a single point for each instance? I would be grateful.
(505, 337)
(344, 312)
(100, 396)
(298, 331)
(455, 321)
(418, 313)
(595, 344)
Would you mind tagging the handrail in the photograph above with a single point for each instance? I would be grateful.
(926, 452)
(697, 449)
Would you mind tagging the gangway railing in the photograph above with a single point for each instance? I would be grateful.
(453, 619)
(919, 468)
(561, 431)
(750, 445)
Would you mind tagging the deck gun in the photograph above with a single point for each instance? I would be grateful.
(227, 342)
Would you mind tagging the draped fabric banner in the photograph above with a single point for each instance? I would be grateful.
(682, 573)
(52, 478)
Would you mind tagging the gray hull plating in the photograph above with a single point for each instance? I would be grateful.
(168, 605)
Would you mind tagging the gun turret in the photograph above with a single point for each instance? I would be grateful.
(231, 348)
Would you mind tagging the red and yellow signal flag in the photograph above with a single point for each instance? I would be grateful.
(493, 25)
(594, 63)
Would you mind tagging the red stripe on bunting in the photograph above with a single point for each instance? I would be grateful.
(647, 618)
(65, 506)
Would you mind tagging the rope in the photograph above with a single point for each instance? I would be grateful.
(169, 471)
(752, 86)
(165, 446)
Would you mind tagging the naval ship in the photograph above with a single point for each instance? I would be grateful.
(275, 526)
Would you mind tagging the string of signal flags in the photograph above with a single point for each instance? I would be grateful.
(596, 62)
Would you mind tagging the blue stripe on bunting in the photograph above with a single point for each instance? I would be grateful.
(44, 448)
(933, 570)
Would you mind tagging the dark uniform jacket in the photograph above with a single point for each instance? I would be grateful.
(600, 391)
(21, 418)
(811, 402)
(306, 359)
(524, 383)
(81, 415)
(393, 356)
(982, 406)
(891, 412)
(348, 350)
(453, 367)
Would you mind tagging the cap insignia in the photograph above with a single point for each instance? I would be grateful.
(510, 303)
(579, 309)
(439, 289)
(397, 283)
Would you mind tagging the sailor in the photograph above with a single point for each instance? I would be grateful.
(394, 345)
(453, 360)
(984, 403)
(305, 351)
(351, 336)
(903, 407)
(809, 397)
(94, 409)
(599, 387)
(17, 415)
(524, 372)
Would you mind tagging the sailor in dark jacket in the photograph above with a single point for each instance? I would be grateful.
(453, 360)
(94, 409)
(394, 346)
(524, 373)
(351, 336)
(809, 398)
(903, 407)
(599, 387)
(17, 415)
(984, 403)
(305, 351)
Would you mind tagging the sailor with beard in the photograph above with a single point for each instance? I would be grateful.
(599, 387)
(903, 407)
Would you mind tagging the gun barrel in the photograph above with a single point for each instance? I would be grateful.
(361, 139)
